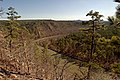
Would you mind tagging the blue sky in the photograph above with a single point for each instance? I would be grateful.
(60, 9)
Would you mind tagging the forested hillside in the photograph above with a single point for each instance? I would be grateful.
(44, 28)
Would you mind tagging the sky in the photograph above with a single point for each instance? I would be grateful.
(60, 9)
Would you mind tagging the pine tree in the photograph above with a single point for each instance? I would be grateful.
(12, 25)
(1, 10)
(117, 1)
(94, 25)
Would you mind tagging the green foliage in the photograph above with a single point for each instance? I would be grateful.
(12, 27)
(94, 15)
(12, 14)
(100, 41)
(111, 20)
(37, 52)
(105, 49)
(115, 67)
(118, 12)
(115, 40)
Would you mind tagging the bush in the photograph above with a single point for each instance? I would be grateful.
(115, 67)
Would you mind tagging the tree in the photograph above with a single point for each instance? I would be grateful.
(1, 10)
(94, 24)
(12, 14)
(12, 25)
(117, 1)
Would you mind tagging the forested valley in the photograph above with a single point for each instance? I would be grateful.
(60, 50)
